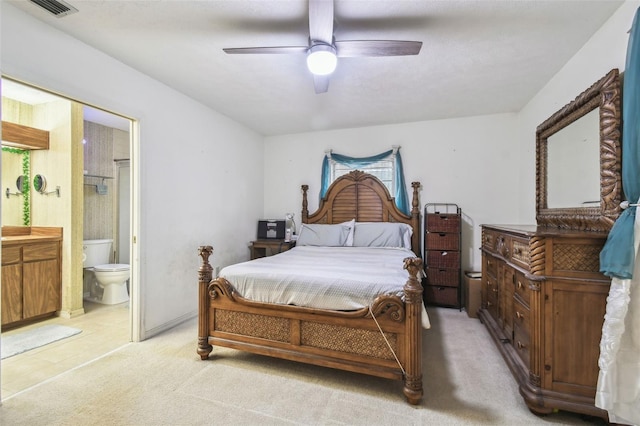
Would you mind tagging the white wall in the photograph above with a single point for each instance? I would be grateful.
(604, 51)
(199, 171)
(467, 161)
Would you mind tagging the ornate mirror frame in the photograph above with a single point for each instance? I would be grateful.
(605, 95)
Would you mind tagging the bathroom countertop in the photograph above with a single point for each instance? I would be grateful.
(28, 234)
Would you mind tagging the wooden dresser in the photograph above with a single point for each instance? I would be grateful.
(543, 302)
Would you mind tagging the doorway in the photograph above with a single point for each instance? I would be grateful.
(94, 318)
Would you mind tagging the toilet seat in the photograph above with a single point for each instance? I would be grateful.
(111, 267)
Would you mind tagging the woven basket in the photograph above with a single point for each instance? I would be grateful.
(443, 259)
(443, 222)
(442, 241)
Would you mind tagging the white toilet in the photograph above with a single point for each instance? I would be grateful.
(112, 277)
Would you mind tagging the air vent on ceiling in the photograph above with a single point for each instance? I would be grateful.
(57, 7)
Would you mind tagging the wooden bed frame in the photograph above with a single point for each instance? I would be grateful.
(347, 340)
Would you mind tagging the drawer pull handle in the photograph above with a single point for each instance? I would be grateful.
(495, 289)
(489, 304)
(521, 345)
(520, 285)
(519, 315)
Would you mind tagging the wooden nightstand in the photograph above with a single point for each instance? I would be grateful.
(263, 248)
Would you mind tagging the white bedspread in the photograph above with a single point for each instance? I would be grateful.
(336, 278)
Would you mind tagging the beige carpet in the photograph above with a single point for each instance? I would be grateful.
(162, 381)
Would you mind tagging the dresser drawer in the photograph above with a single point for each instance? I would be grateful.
(490, 266)
(437, 222)
(522, 289)
(521, 316)
(443, 259)
(489, 240)
(443, 277)
(441, 295)
(521, 343)
(491, 291)
(520, 252)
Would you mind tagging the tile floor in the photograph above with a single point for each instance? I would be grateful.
(104, 328)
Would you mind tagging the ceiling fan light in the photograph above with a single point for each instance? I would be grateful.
(322, 59)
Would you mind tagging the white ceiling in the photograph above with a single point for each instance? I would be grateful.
(478, 57)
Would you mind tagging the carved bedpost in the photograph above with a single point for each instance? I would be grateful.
(305, 210)
(415, 218)
(205, 273)
(413, 300)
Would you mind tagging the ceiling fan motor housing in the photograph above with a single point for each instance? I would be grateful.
(321, 58)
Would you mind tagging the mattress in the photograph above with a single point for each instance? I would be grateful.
(332, 278)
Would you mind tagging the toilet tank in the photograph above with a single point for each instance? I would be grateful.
(96, 252)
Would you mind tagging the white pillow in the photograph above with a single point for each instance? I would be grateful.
(382, 234)
(324, 235)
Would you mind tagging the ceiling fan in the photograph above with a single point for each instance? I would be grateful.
(323, 50)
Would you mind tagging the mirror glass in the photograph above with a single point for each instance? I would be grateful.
(16, 164)
(20, 183)
(40, 184)
(578, 161)
(573, 164)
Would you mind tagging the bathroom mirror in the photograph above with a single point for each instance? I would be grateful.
(578, 160)
(40, 183)
(20, 184)
(16, 209)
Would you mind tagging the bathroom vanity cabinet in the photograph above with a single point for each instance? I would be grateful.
(31, 274)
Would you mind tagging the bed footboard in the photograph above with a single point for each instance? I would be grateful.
(384, 340)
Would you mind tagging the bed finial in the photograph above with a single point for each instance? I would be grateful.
(305, 210)
(413, 265)
(205, 271)
(415, 203)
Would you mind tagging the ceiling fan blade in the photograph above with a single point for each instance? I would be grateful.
(321, 83)
(321, 21)
(355, 48)
(267, 50)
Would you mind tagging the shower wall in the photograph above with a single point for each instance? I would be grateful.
(102, 147)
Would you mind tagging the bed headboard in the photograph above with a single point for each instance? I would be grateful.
(361, 196)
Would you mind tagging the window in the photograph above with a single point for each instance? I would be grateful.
(383, 170)
(386, 166)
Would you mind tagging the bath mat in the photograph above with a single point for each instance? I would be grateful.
(22, 342)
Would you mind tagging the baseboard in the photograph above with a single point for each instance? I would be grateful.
(71, 314)
(146, 334)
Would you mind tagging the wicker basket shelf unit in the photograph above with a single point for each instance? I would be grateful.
(442, 243)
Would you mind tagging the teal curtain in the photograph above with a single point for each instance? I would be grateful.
(401, 199)
(617, 256)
